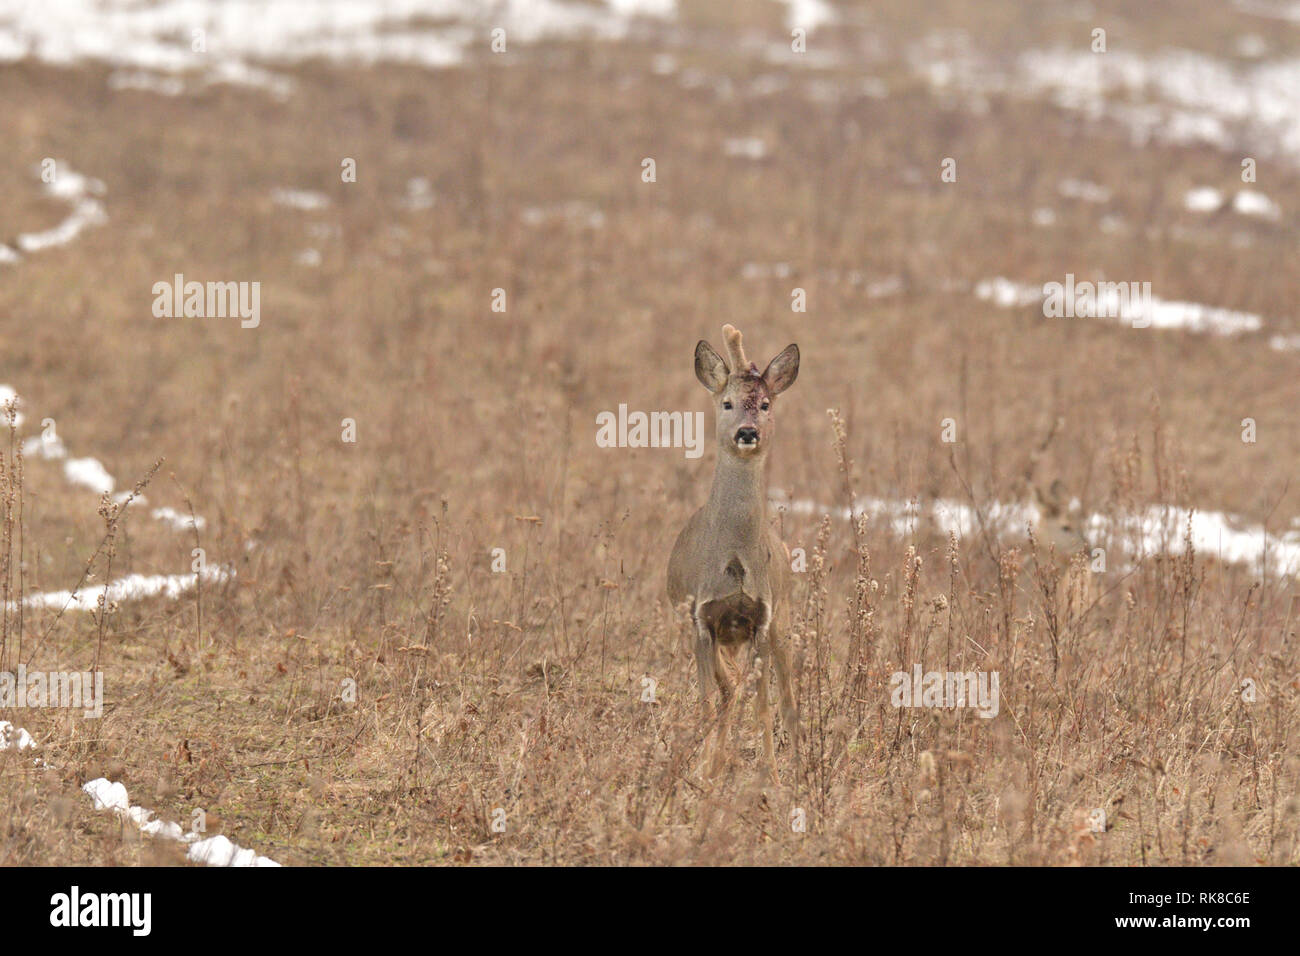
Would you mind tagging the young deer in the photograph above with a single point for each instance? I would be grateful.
(728, 563)
(1062, 551)
(1060, 520)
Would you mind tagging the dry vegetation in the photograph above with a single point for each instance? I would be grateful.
(521, 690)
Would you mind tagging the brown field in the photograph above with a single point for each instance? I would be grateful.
(477, 690)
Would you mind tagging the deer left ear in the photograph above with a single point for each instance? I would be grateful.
(782, 370)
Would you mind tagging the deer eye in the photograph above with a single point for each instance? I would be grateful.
(727, 405)
(765, 406)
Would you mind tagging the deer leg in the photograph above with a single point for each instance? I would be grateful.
(704, 659)
(726, 673)
(789, 713)
(762, 661)
(710, 673)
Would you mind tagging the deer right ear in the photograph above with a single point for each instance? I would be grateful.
(709, 367)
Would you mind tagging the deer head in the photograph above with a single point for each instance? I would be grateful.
(744, 398)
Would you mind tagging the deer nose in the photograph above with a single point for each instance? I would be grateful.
(747, 436)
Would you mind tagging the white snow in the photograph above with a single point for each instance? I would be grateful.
(1173, 96)
(107, 795)
(1165, 314)
(157, 37)
(89, 473)
(1177, 96)
(1162, 529)
(1203, 199)
(808, 14)
(15, 737)
(1158, 529)
(111, 795)
(1251, 203)
(219, 851)
(132, 587)
(178, 520)
(213, 851)
(76, 190)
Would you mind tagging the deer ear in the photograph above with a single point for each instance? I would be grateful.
(782, 370)
(709, 367)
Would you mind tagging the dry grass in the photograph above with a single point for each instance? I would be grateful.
(522, 690)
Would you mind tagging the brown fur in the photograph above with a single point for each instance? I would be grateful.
(728, 564)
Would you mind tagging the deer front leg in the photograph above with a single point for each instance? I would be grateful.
(762, 662)
(727, 673)
(704, 660)
(789, 712)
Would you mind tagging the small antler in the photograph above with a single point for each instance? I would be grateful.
(735, 350)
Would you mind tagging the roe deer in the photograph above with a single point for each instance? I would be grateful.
(1060, 520)
(1061, 548)
(1060, 523)
(728, 563)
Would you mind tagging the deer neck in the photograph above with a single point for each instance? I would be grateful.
(738, 500)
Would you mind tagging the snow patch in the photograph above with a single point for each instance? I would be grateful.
(76, 190)
(1165, 314)
(214, 851)
(1203, 199)
(1172, 96)
(1158, 529)
(89, 473)
(133, 587)
(808, 14)
(15, 738)
(1251, 203)
(219, 851)
(155, 38)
